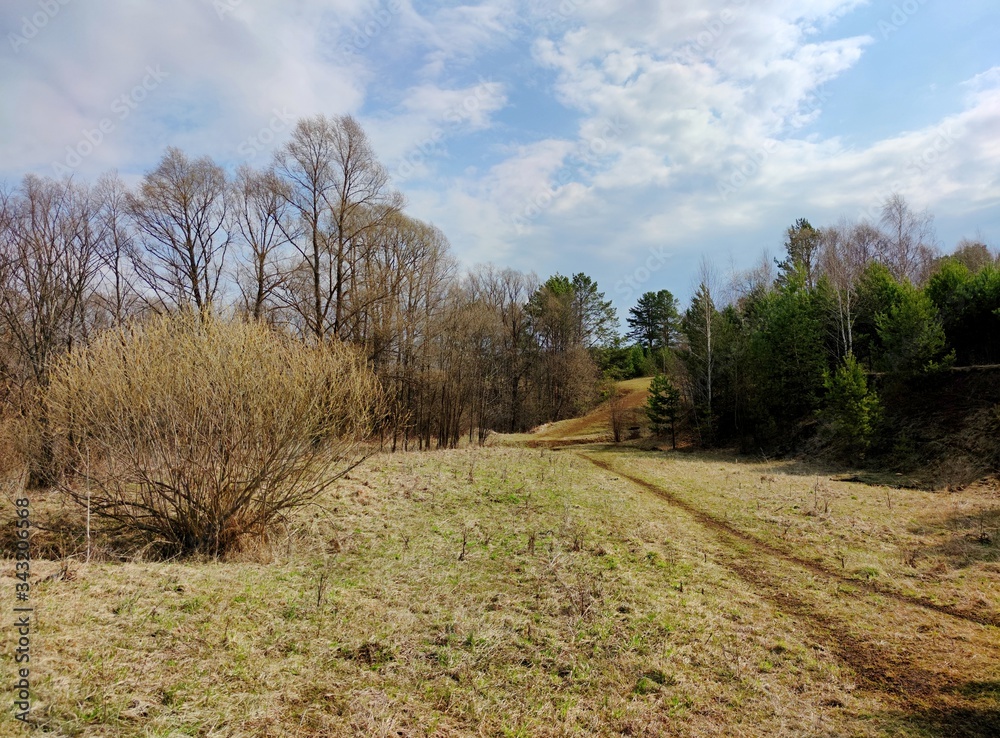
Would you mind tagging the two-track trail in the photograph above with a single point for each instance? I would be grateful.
(918, 657)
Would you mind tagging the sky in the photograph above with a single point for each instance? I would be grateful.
(627, 139)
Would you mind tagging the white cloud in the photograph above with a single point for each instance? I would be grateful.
(223, 78)
(694, 99)
(660, 104)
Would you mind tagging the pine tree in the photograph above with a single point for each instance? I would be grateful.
(852, 411)
(663, 406)
(801, 246)
(653, 321)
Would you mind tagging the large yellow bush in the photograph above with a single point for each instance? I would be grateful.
(194, 432)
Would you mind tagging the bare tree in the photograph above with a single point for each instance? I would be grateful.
(755, 281)
(974, 253)
(909, 240)
(116, 294)
(341, 194)
(48, 260)
(507, 292)
(261, 219)
(846, 251)
(619, 416)
(180, 213)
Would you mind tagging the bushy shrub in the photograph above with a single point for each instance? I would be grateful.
(193, 433)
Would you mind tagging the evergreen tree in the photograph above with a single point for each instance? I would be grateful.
(653, 320)
(595, 318)
(801, 247)
(700, 326)
(969, 305)
(912, 337)
(852, 411)
(663, 406)
(789, 357)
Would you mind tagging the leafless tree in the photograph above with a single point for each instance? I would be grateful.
(116, 295)
(507, 291)
(261, 219)
(909, 247)
(48, 261)
(755, 281)
(974, 254)
(180, 213)
(341, 194)
(846, 250)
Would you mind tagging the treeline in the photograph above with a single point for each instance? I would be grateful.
(852, 311)
(316, 245)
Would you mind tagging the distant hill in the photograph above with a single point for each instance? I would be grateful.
(596, 425)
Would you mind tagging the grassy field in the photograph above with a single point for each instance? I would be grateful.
(509, 591)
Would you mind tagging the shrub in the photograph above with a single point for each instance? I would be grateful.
(193, 433)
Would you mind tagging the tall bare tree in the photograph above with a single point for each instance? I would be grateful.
(261, 219)
(180, 213)
(507, 292)
(909, 248)
(342, 195)
(49, 241)
(846, 251)
(116, 296)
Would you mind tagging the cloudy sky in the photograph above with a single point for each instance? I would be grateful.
(623, 138)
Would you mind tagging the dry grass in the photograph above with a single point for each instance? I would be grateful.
(499, 592)
(596, 425)
(942, 545)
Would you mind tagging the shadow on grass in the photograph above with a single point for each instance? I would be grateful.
(796, 467)
(971, 539)
(980, 716)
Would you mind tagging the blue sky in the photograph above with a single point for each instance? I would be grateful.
(625, 139)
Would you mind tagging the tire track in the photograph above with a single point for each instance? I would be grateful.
(722, 527)
(893, 673)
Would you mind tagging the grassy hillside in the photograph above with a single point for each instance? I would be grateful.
(596, 425)
(527, 592)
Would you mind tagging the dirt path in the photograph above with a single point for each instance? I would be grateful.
(922, 658)
(725, 528)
